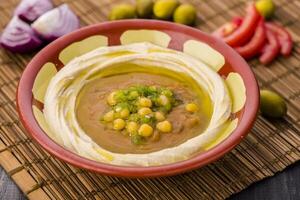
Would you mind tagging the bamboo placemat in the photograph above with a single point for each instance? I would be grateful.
(270, 147)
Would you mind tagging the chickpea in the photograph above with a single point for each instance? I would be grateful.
(122, 11)
(167, 92)
(144, 111)
(191, 107)
(124, 113)
(109, 116)
(159, 116)
(192, 121)
(185, 14)
(145, 102)
(111, 99)
(133, 95)
(163, 100)
(145, 130)
(117, 115)
(155, 136)
(132, 127)
(134, 117)
(118, 124)
(164, 126)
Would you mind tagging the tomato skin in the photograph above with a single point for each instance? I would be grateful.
(283, 36)
(271, 48)
(246, 29)
(253, 47)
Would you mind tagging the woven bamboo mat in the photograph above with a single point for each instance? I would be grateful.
(270, 147)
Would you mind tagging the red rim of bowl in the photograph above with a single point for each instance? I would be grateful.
(24, 104)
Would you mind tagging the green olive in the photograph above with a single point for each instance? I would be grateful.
(144, 8)
(122, 11)
(185, 14)
(164, 9)
(265, 7)
(271, 104)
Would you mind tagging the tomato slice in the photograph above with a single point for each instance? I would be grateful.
(237, 20)
(225, 30)
(246, 29)
(228, 28)
(254, 46)
(283, 36)
(271, 49)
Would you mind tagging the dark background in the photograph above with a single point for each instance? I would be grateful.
(283, 186)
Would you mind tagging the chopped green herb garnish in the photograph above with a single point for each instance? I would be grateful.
(139, 104)
(137, 139)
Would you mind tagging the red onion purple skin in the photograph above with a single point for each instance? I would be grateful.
(67, 23)
(30, 10)
(18, 37)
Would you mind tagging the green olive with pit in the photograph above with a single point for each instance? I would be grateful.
(185, 14)
(164, 9)
(271, 104)
(122, 11)
(144, 8)
(265, 7)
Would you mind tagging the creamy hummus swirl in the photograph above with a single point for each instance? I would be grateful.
(63, 90)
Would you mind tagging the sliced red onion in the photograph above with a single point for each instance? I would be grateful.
(30, 10)
(19, 37)
(56, 23)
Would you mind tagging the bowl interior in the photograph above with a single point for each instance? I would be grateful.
(235, 71)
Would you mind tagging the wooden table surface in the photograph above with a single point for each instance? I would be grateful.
(282, 186)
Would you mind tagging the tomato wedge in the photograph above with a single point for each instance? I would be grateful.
(271, 49)
(247, 28)
(228, 28)
(237, 20)
(284, 38)
(255, 44)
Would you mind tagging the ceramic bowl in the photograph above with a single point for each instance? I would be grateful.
(48, 61)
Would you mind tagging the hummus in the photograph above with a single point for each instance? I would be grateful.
(97, 117)
(65, 88)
